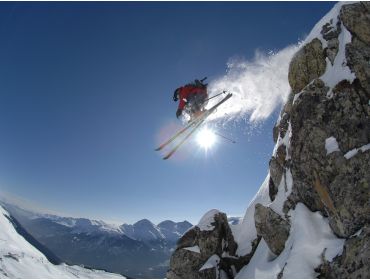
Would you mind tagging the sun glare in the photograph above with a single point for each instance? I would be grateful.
(206, 138)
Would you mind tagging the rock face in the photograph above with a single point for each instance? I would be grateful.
(357, 20)
(332, 182)
(272, 228)
(308, 64)
(321, 160)
(354, 262)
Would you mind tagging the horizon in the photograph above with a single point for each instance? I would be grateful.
(29, 206)
(86, 96)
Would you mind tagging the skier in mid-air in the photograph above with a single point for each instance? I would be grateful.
(192, 98)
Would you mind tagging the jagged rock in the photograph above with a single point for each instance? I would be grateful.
(341, 185)
(338, 183)
(185, 264)
(353, 263)
(272, 228)
(276, 174)
(307, 65)
(278, 161)
(356, 18)
(214, 239)
(330, 34)
(281, 154)
(358, 56)
(273, 189)
(350, 192)
(189, 238)
(282, 127)
(332, 49)
(329, 31)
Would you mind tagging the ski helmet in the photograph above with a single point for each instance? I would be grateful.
(176, 94)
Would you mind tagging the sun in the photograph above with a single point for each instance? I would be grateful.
(206, 138)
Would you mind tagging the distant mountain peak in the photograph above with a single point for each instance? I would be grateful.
(144, 222)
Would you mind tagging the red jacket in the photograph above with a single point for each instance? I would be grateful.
(187, 91)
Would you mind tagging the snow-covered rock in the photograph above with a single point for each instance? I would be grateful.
(310, 237)
(19, 259)
(203, 248)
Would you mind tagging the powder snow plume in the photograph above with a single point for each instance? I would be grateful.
(258, 86)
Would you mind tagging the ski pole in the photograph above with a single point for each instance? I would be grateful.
(231, 140)
(215, 96)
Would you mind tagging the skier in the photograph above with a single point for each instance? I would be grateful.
(193, 98)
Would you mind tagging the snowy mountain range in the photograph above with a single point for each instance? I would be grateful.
(138, 250)
(21, 259)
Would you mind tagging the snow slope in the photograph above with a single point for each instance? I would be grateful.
(19, 259)
(310, 236)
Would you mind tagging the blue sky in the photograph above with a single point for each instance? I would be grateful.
(86, 89)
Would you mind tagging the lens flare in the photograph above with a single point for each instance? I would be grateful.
(206, 138)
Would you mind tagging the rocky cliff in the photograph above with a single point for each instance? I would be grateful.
(311, 216)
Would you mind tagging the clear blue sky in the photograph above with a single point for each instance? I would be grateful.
(85, 89)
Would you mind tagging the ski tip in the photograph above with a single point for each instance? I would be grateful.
(157, 149)
(168, 155)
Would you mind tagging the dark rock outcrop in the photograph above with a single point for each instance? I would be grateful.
(353, 263)
(333, 182)
(330, 33)
(272, 228)
(356, 19)
(198, 246)
(307, 65)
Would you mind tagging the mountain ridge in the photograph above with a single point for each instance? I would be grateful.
(21, 259)
(86, 225)
(139, 250)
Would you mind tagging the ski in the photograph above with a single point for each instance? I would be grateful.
(197, 123)
(183, 140)
(193, 122)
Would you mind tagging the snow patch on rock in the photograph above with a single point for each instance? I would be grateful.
(206, 222)
(339, 70)
(354, 151)
(213, 261)
(331, 145)
(194, 249)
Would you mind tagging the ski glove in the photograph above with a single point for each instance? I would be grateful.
(178, 113)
